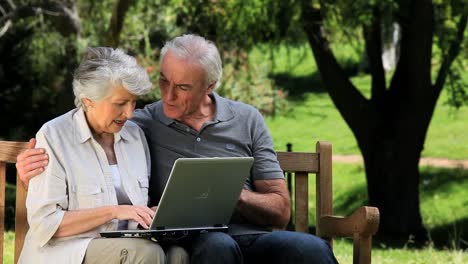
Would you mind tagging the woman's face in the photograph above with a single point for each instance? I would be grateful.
(110, 114)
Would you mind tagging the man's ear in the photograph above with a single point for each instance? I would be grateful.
(210, 88)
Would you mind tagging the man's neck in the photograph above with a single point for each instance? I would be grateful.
(204, 114)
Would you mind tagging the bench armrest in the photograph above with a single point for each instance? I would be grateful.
(361, 226)
(363, 222)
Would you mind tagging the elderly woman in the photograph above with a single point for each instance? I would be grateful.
(97, 177)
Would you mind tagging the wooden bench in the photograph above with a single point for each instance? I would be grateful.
(361, 225)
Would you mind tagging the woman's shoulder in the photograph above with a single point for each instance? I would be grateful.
(60, 124)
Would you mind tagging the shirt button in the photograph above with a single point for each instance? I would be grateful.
(187, 129)
(198, 139)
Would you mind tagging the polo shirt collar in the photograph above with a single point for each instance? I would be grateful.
(161, 116)
(83, 132)
(224, 111)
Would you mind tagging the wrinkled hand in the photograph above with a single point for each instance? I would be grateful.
(31, 162)
(141, 214)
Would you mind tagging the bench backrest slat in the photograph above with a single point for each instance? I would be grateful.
(8, 152)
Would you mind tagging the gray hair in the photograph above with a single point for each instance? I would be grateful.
(199, 51)
(102, 69)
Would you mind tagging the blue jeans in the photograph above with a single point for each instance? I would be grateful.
(273, 247)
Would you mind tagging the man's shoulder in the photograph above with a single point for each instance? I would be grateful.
(236, 103)
(149, 111)
(237, 107)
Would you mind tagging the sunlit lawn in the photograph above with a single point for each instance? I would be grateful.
(8, 250)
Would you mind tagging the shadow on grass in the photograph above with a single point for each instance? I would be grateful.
(297, 86)
(440, 180)
(453, 235)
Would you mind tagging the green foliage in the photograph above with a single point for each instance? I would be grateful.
(31, 76)
(458, 85)
(238, 24)
(341, 17)
(252, 85)
(41, 67)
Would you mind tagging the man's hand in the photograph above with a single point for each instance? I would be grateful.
(31, 162)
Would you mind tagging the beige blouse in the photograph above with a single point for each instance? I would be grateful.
(78, 176)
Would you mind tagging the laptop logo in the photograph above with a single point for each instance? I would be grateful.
(230, 146)
(203, 195)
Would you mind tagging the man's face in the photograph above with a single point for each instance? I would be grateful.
(183, 87)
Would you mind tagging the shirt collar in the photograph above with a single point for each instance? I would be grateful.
(224, 110)
(83, 132)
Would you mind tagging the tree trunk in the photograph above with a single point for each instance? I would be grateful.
(391, 126)
(116, 23)
(391, 155)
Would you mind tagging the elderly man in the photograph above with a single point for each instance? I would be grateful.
(191, 120)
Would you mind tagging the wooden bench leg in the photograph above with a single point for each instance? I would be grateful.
(362, 249)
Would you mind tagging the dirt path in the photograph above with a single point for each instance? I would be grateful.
(434, 162)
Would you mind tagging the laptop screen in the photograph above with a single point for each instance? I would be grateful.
(201, 192)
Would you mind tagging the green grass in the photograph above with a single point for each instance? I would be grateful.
(8, 250)
(343, 249)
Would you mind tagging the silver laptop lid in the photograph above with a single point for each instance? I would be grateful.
(201, 192)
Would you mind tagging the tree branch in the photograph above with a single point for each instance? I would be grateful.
(373, 42)
(69, 22)
(5, 28)
(21, 12)
(352, 105)
(116, 22)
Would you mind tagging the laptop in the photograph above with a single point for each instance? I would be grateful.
(200, 196)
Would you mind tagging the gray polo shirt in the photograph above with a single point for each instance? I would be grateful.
(237, 130)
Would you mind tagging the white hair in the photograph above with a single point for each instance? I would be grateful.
(103, 69)
(197, 50)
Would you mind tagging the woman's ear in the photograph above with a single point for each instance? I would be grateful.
(87, 102)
